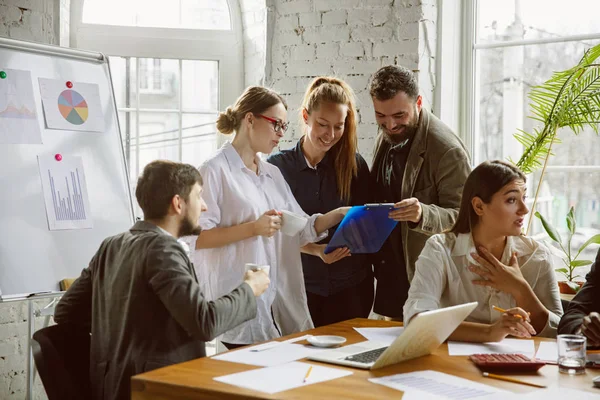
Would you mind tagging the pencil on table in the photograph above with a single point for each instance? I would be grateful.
(502, 310)
(307, 374)
(513, 380)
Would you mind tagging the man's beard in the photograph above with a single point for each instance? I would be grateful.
(187, 228)
(397, 138)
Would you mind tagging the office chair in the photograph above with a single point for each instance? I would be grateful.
(62, 357)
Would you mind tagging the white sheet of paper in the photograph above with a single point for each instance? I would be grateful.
(381, 335)
(65, 192)
(282, 377)
(551, 393)
(72, 109)
(275, 355)
(436, 385)
(506, 346)
(547, 351)
(18, 116)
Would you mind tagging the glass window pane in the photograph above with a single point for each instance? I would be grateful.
(505, 78)
(159, 137)
(562, 190)
(159, 83)
(534, 19)
(127, 125)
(200, 85)
(200, 139)
(178, 14)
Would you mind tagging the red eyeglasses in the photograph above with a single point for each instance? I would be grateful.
(279, 126)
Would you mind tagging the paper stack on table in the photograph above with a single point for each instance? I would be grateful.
(436, 385)
(269, 354)
(506, 346)
(381, 335)
(282, 377)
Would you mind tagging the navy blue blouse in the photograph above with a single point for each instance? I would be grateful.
(316, 191)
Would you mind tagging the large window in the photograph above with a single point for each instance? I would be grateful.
(173, 64)
(167, 110)
(180, 14)
(514, 46)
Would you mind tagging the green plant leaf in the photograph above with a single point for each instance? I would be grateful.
(562, 270)
(573, 286)
(571, 221)
(553, 233)
(594, 239)
(580, 263)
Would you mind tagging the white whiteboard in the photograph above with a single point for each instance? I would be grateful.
(32, 258)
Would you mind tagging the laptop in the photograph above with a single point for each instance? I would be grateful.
(426, 331)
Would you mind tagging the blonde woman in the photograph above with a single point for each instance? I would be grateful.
(244, 197)
(325, 172)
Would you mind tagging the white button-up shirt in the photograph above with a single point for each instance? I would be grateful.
(442, 279)
(235, 195)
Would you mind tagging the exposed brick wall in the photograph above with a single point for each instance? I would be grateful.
(31, 20)
(350, 39)
(254, 20)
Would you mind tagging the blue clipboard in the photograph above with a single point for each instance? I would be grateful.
(364, 229)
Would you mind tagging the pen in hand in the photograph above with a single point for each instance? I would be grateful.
(307, 374)
(502, 310)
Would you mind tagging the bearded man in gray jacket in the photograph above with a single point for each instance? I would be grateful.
(139, 297)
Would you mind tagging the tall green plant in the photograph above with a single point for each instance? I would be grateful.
(569, 99)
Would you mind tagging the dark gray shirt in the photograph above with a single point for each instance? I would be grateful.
(140, 299)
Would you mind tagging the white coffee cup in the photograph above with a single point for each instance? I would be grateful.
(292, 224)
(257, 267)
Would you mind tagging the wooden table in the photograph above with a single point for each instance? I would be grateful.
(194, 379)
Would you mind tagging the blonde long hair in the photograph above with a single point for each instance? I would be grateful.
(326, 89)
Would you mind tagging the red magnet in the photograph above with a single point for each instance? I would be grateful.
(58, 157)
(69, 84)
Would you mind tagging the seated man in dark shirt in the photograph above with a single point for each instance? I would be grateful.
(140, 298)
(583, 316)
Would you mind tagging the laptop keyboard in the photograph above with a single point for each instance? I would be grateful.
(366, 357)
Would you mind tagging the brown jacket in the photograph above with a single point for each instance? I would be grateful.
(436, 170)
(140, 299)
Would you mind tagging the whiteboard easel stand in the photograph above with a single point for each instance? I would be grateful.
(33, 48)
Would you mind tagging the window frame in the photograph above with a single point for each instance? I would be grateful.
(469, 112)
(223, 46)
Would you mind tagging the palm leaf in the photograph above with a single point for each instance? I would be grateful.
(569, 99)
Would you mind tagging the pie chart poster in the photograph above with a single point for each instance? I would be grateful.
(75, 108)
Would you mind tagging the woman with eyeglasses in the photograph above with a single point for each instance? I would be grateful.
(325, 172)
(244, 196)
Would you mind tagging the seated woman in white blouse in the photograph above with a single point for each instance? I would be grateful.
(244, 196)
(485, 258)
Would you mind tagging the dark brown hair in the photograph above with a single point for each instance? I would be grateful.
(390, 80)
(160, 181)
(332, 90)
(483, 182)
(255, 99)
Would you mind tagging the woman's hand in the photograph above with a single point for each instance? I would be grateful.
(514, 321)
(268, 224)
(506, 278)
(334, 256)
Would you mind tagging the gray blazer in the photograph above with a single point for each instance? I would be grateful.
(436, 170)
(140, 299)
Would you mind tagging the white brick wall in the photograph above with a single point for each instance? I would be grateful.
(39, 21)
(350, 39)
(254, 20)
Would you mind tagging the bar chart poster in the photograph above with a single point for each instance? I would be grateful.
(65, 192)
